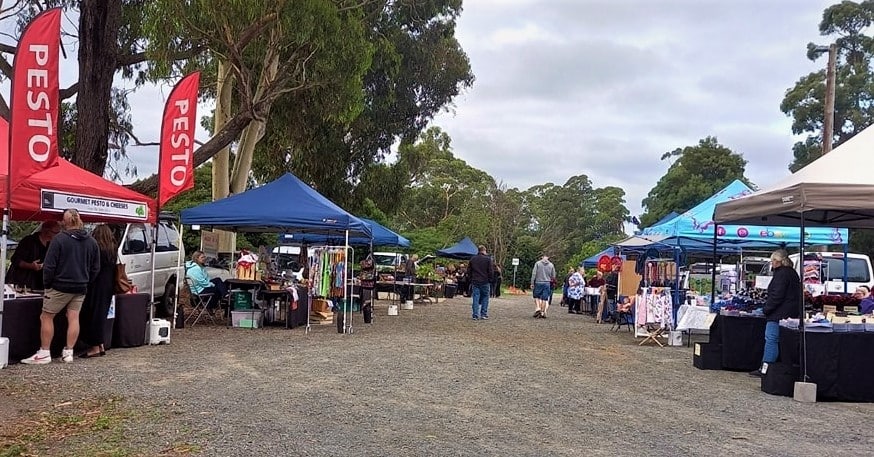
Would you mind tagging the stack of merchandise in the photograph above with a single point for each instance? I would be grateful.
(321, 313)
(745, 303)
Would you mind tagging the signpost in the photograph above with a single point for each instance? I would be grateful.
(515, 266)
(209, 243)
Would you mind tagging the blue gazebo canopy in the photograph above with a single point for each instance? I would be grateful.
(285, 205)
(463, 250)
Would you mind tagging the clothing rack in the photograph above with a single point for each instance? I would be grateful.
(653, 313)
(330, 270)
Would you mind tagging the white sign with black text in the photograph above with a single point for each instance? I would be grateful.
(53, 200)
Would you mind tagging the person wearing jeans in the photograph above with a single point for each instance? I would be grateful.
(481, 275)
(784, 301)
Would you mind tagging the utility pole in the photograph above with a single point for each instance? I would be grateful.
(828, 125)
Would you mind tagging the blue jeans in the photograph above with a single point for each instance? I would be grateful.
(480, 306)
(772, 342)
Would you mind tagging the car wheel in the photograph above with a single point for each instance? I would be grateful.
(164, 309)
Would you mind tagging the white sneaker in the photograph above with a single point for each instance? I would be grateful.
(67, 355)
(40, 358)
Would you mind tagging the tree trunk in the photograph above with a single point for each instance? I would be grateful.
(227, 241)
(99, 21)
(221, 161)
(209, 149)
(255, 130)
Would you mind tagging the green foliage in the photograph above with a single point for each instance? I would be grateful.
(696, 174)
(848, 22)
(427, 240)
(590, 248)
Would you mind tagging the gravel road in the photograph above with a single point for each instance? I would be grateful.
(429, 382)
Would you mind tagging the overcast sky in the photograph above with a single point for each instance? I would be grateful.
(604, 87)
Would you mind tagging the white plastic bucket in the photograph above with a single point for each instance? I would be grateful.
(675, 338)
(159, 331)
(392, 310)
(4, 352)
(407, 305)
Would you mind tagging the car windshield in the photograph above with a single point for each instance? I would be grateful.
(857, 270)
(384, 260)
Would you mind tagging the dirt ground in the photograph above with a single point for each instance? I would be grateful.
(430, 381)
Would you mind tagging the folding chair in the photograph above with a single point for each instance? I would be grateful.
(654, 332)
(622, 318)
(199, 305)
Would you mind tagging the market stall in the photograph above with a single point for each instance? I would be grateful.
(286, 205)
(834, 190)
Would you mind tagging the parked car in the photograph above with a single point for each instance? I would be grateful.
(831, 270)
(135, 252)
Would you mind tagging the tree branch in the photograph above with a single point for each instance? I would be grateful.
(140, 57)
(229, 133)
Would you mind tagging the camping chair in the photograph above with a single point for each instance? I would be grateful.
(622, 318)
(199, 305)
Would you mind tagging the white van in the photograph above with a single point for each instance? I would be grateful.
(388, 262)
(135, 252)
(831, 270)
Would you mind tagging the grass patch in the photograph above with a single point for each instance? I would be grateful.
(63, 428)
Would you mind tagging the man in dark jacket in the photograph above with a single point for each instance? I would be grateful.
(72, 261)
(481, 275)
(784, 301)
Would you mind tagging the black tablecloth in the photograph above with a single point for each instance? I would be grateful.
(840, 364)
(21, 325)
(742, 340)
(299, 311)
(131, 319)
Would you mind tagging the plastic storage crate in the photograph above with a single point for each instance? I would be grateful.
(249, 318)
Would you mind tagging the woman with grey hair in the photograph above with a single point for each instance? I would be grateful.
(784, 301)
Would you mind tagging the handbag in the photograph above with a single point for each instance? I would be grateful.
(123, 284)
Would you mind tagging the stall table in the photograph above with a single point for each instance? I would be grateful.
(21, 325)
(742, 339)
(840, 364)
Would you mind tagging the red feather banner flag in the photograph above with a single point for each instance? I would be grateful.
(35, 99)
(176, 163)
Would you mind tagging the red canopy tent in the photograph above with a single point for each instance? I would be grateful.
(48, 193)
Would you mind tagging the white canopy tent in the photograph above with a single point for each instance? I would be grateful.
(836, 190)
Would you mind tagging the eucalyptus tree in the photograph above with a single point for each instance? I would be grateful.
(848, 24)
(697, 173)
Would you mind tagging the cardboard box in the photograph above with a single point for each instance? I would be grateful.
(321, 306)
(250, 272)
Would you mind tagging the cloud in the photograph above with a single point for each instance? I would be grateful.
(603, 88)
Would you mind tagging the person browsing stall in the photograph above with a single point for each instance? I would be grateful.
(25, 268)
(866, 306)
(72, 262)
(201, 283)
(481, 275)
(542, 280)
(784, 301)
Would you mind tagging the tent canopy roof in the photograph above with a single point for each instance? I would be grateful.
(382, 236)
(833, 191)
(285, 205)
(698, 224)
(463, 250)
(97, 199)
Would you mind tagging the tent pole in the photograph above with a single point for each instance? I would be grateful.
(152, 274)
(4, 238)
(846, 266)
(801, 315)
(179, 271)
(713, 270)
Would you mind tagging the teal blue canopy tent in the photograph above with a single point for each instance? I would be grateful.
(697, 225)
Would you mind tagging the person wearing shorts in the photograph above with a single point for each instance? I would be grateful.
(72, 262)
(542, 280)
